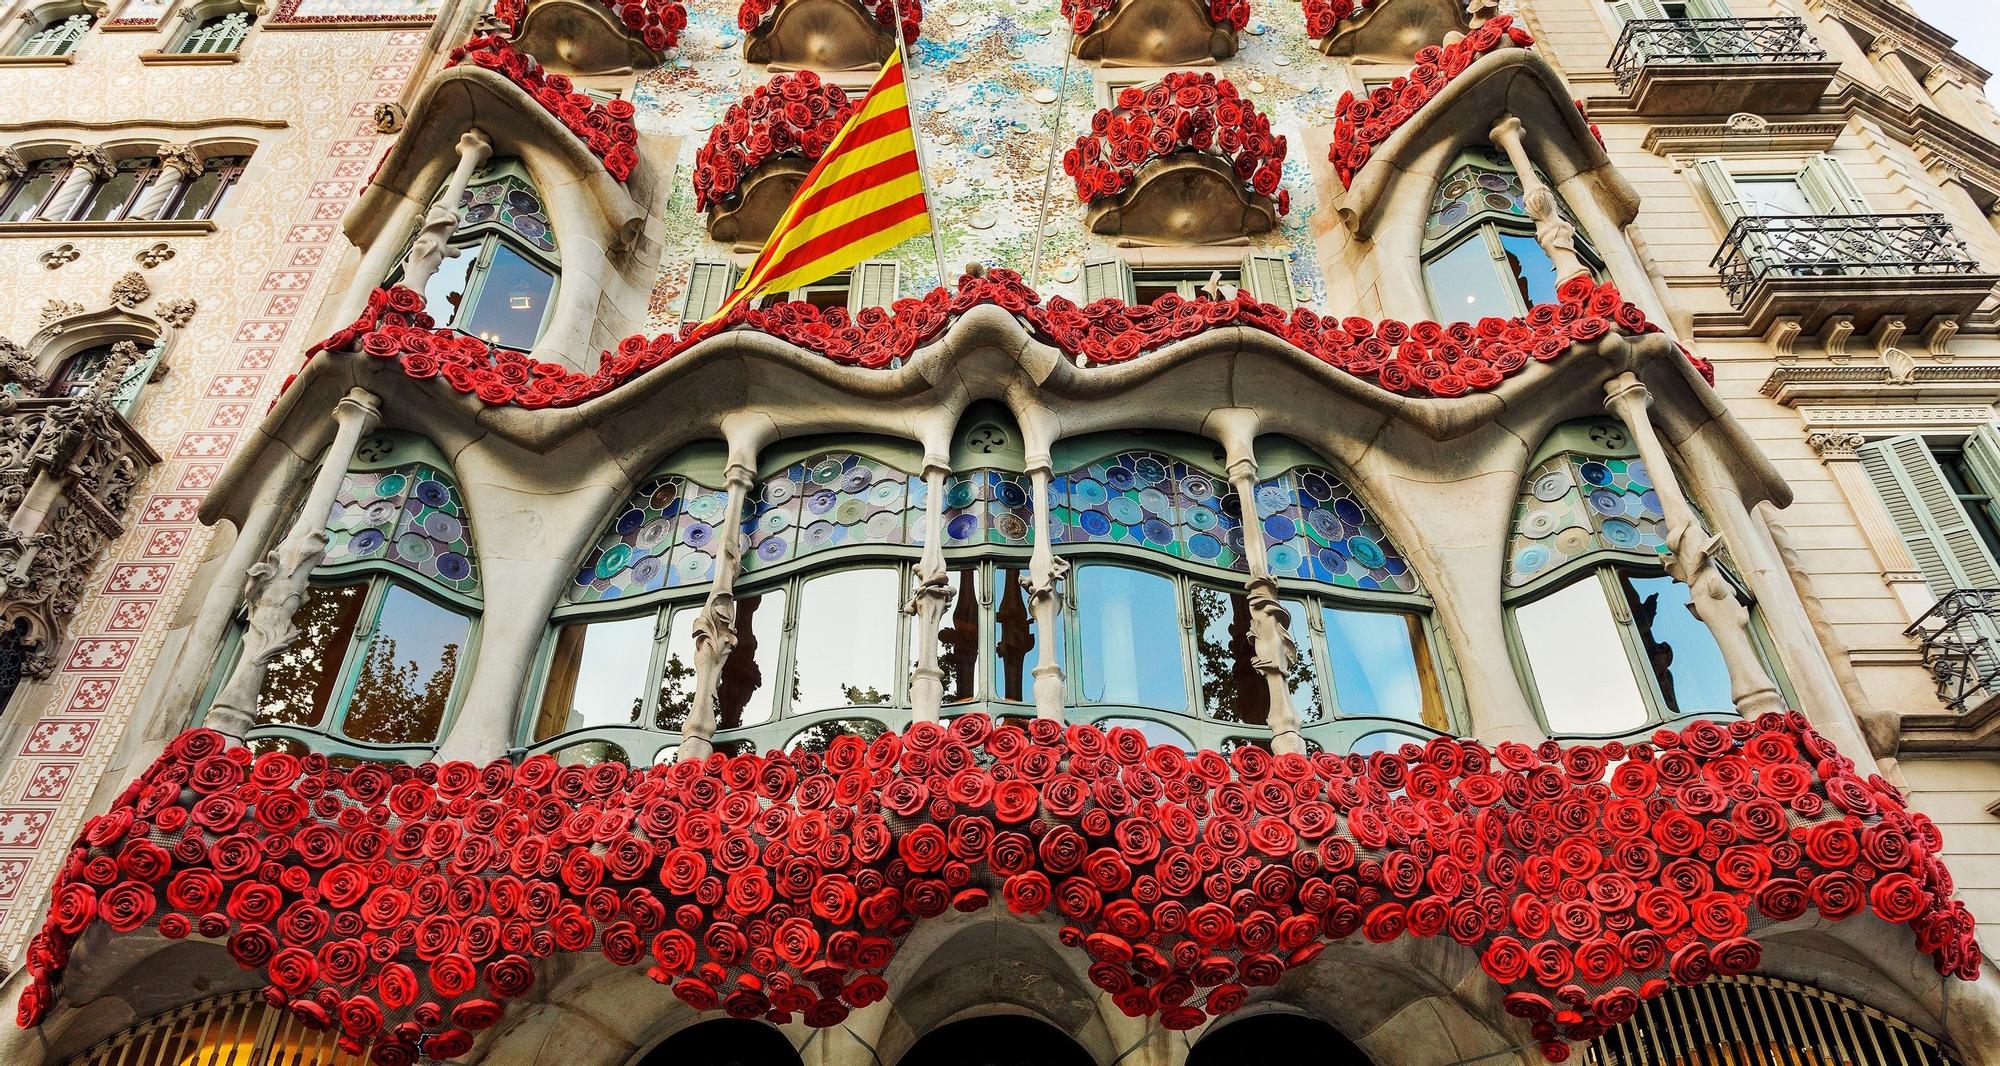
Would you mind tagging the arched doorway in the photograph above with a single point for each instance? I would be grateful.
(1758, 1019)
(724, 1042)
(1276, 1038)
(999, 1040)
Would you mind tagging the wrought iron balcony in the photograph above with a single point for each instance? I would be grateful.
(1721, 66)
(1960, 640)
(1862, 266)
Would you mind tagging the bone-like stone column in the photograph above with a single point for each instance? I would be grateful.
(1276, 654)
(1693, 563)
(432, 246)
(277, 584)
(931, 598)
(178, 164)
(88, 166)
(715, 625)
(1044, 581)
(1553, 232)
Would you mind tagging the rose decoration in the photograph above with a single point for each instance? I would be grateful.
(1182, 112)
(780, 885)
(753, 14)
(658, 23)
(1362, 122)
(1323, 17)
(606, 128)
(1084, 14)
(791, 115)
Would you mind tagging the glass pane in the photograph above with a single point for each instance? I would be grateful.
(1534, 273)
(512, 300)
(1382, 667)
(299, 682)
(1016, 652)
(958, 639)
(845, 654)
(590, 753)
(1232, 690)
(821, 735)
(1466, 284)
(597, 676)
(107, 201)
(1130, 626)
(1385, 741)
(1579, 662)
(195, 198)
(1157, 734)
(1774, 196)
(28, 196)
(444, 294)
(405, 679)
(741, 696)
(1679, 648)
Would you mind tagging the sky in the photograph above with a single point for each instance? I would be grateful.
(1971, 21)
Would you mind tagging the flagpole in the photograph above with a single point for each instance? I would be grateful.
(1049, 173)
(916, 131)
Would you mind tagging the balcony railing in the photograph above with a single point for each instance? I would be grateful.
(1686, 42)
(1960, 640)
(1761, 248)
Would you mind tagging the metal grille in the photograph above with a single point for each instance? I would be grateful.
(1762, 247)
(233, 1030)
(1756, 1021)
(1652, 42)
(1960, 639)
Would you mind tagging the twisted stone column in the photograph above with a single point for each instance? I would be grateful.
(1693, 562)
(931, 599)
(277, 584)
(1556, 234)
(88, 166)
(433, 244)
(715, 625)
(179, 164)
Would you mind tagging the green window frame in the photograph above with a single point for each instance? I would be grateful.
(1480, 204)
(503, 213)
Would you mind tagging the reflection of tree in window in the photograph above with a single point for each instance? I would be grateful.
(1015, 639)
(299, 682)
(404, 684)
(958, 640)
(1232, 688)
(821, 735)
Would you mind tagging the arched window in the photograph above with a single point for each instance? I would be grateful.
(56, 35)
(1276, 1038)
(1481, 259)
(220, 32)
(1759, 1019)
(501, 283)
(999, 1040)
(391, 616)
(201, 196)
(1606, 639)
(24, 196)
(79, 372)
(724, 1042)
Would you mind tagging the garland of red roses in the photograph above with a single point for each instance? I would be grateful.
(754, 13)
(656, 22)
(1362, 122)
(792, 114)
(1325, 16)
(403, 906)
(1424, 359)
(606, 128)
(1182, 112)
(1084, 14)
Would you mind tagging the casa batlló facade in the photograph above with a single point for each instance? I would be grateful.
(1396, 532)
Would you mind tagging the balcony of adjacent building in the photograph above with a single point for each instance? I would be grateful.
(1721, 66)
(1848, 272)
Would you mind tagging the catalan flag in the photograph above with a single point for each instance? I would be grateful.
(865, 196)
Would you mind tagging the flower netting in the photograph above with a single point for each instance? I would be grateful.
(753, 14)
(1083, 15)
(792, 114)
(1325, 16)
(1362, 122)
(606, 128)
(1182, 112)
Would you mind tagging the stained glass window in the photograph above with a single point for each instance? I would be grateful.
(829, 501)
(1316, 529)
(1575, 504)
(988, 507)
(409, 516)
(508, 199)
(1149, 500)
(665, 536)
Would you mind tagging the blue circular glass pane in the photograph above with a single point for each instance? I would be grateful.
(1347, 511)
(1366, 552)
(1095, 523)
(1596, 473)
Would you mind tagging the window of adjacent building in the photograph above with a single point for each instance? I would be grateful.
(57, 36)
(874, 283)
(79, 372)
(1940, 496)
(1266, 277)
(219, 33)
(116, 197)
(1822, 187)
(24, 198)
(500, 283)
(1481, 258)
(201, 196)
(1644, 10)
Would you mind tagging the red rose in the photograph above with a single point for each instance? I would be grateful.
(1897, 897)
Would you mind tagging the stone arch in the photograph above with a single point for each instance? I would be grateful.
(723, 1042)
(1276, 1035)
(996, 1040)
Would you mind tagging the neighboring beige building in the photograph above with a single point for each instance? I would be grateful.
(1621, 366)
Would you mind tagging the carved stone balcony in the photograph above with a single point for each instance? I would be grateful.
(1862, 267)
(1769, 66)
(1183, 199)
(819, 34)
(68, 465)
(1157, 33)
(582, 36)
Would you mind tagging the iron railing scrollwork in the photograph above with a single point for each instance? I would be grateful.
(1741, 1021)
(1762, 247)
(1960, 640)
(1690, 42)
(239, 1029)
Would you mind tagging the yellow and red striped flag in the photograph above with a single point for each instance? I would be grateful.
(863, 197)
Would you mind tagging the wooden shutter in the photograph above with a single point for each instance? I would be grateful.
(708, 286)
(1638, 10)
(872, 284)
(1933, 525)
(1829, 189)
(1108, 278)
(1722, 190)
(1269, 278)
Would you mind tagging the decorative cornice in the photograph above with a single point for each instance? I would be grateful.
(1908, 33)
(1737, 136)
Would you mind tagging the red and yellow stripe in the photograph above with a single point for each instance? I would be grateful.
(865, 196)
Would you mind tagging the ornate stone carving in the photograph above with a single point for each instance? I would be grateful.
(930, 601)
(715, 625)
(11, 164)
(130, 290)
(1745, 122)
(153, 254)
(55, 310)
(16, 367)
(181, 157)
(389, 117)
(433, 244)
(175, 313)
(1835, 444)
(60, 256)
(92, 160)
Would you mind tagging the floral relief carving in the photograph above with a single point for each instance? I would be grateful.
(55, 310)
(60, 256)
(175, 313)
(130, 290)
(11, 164)
(153, 254)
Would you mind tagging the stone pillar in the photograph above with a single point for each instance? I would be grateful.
(931, 598)
(88, 166)
(178, 164)
(715, 626)
(1556, 234)
(1693, 563)
(1887, 54)
(211, 622)
(1046, 574)
(432, 246)
(277, 585)
(1276, 654)
(1839, 452)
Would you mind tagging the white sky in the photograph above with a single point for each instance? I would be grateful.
(1972, 22)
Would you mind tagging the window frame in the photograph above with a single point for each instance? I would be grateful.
(53, 165)
(232, 175)
(1491, 226)
(208, 22)
(70, 42)
(482, 240)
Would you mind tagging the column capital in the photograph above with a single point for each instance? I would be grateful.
(1834, 445)
(1627, 389)
(92, 159)
(359, 406)
(475, 144)
(11, 164)
(181, 157)
(1506, 129)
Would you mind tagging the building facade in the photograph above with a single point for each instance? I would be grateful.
(1406, 532)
